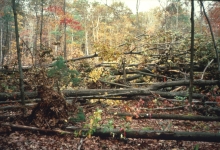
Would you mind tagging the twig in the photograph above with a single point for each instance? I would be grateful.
(116, 84)
(154, 75)
(105, 96)
(209, 63)
(177, 89)
(80, 144)
(166, 108)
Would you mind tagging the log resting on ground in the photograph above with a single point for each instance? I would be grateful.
(123, 92)
(168, 116)
(131, 133)
(100, 92)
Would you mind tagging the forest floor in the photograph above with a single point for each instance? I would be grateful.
(22, 140)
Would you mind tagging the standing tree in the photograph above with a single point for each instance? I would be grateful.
(64, 47)
(65, 19)
(176, 15)
(5, 21)
(41, 25)
(191, 55)
(14, 4)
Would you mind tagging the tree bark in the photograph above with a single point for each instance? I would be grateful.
(160, 135)
(18, 53)
(64, 48)
(35, 30)
(168, 116)
(35, 129)
(191, 56)
(1, 48)
(123, 92)
(41, 24)
(137, 133)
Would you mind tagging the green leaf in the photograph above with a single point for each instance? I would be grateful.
(63, 74)
(80, 116)
(196, 147)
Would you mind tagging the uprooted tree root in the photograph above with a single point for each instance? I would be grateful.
(51, 111)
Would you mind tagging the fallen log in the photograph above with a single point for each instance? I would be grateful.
(165, 108)
(159, 135)
(15, 107)
(131, 133)
(19, 101)
(35, 129)
(168, 116)
(129, 78)
(8, 116)
(125, 92)
(16, 95)
(156, 86)
(101, 93)
(129, 71)
(122, 92)
(111, 97)
(116, 84)
(145, 91)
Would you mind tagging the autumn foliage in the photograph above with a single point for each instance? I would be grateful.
(214, 18)
(64, 18)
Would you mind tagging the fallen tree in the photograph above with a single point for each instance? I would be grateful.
(161, 135)
(152, 89)
(131, 133)
(101, 93)
(34, 129)
(168, 116)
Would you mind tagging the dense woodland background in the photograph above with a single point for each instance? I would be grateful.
(78, 28)
(92, 69)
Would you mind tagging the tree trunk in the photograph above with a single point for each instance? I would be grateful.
(212, 35)
(124, 92)
(168, 116)
(64, 48)
(191, 56)
(160, 135)
(41, 24)
(18, 52)
(1, 44)
(35, 36)
(136, 133)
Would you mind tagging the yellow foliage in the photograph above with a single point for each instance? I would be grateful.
(106, 52)
(97, 115)
(108, 101)
(113, 102)
(20, 22)
(95, 74)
